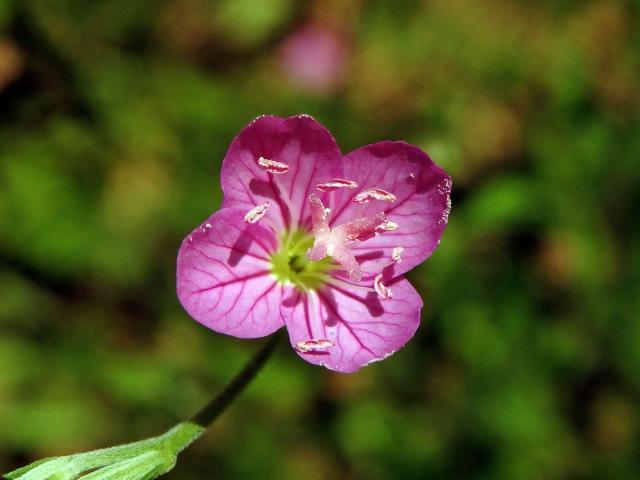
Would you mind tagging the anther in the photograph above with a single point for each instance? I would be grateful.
(374, 194)
(272, 166)
(314, 345)
(335, 184)
(380, 288)
(387, 226)
(396, 254)
(256, 213)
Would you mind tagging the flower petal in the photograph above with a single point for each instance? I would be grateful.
(360, 327)
(421, 208)
(224, 278)
(302, 144)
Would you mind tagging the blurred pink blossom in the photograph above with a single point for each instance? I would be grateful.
(314, 58)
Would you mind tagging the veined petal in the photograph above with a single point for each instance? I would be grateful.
(302, 144)
(421, 207)
(224, 278)
(356, 327)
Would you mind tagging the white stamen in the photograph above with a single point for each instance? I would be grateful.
(335, 184)
(387, 226)
(272, 166)
(380, 288)
(256, 213)
(314, 345)
(396, 255)
(374, 194)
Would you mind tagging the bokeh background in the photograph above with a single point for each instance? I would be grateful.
(114, 118)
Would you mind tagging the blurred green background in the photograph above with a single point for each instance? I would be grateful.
(114, 118)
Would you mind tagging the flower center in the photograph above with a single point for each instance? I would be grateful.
(290, 263)
(305, 260)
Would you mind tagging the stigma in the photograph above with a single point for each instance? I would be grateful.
(338, 241)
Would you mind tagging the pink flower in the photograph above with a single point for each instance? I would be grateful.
(314, 58)
(316, 242)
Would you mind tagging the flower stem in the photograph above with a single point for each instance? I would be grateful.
(215, 407)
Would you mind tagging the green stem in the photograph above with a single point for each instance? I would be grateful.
(213, 409)
(183, 434)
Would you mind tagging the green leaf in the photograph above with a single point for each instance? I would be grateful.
(141, 460)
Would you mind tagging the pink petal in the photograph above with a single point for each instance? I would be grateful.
(362, 327)
(223, 276)
(420, 211)
(299, 143)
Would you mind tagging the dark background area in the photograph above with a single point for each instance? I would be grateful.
(114, 118)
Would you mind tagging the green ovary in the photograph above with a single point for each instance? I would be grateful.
(291, 265)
